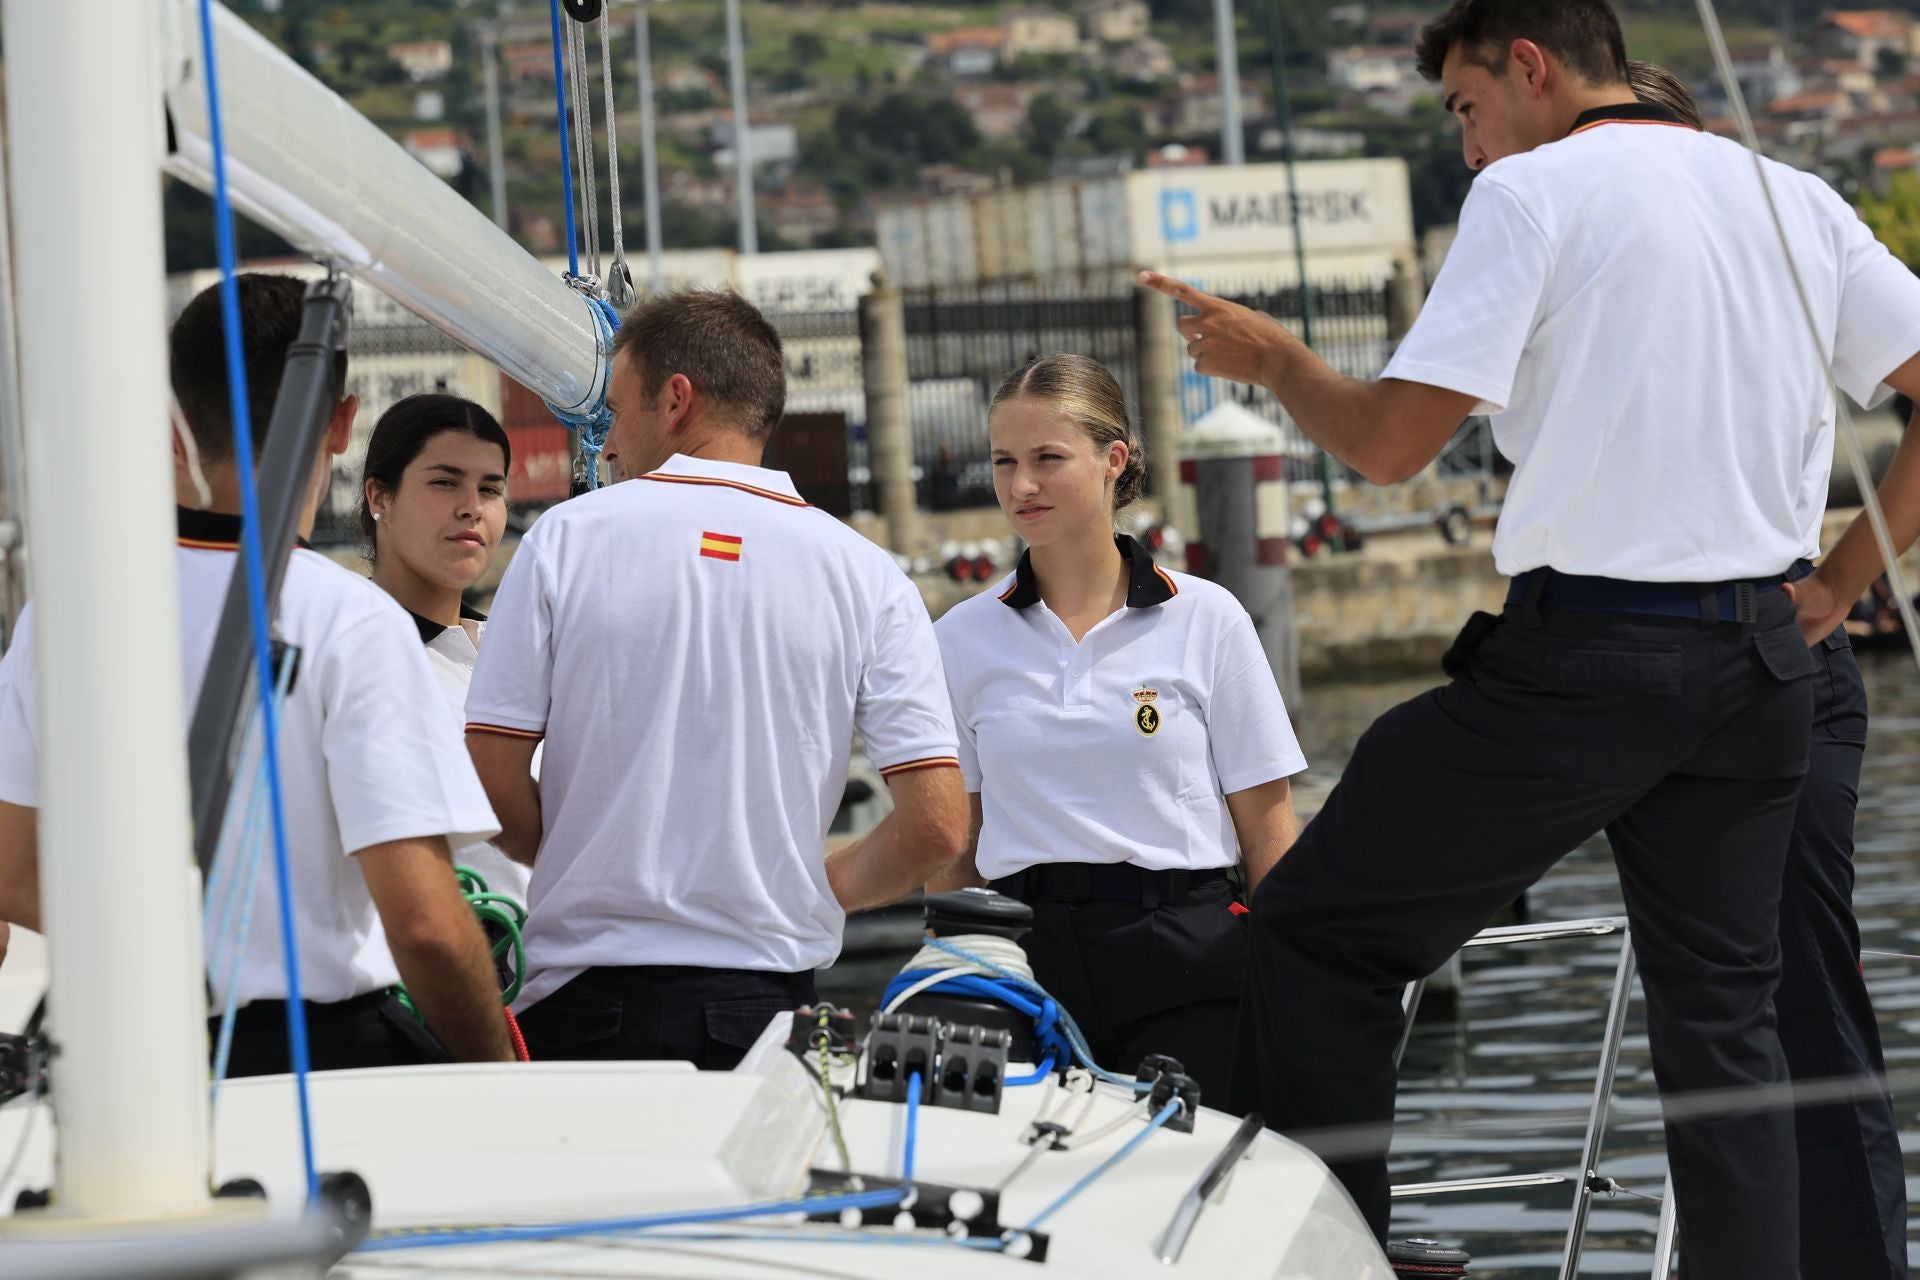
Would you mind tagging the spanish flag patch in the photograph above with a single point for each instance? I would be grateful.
(720, 546)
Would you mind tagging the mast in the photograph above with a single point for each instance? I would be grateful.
(649, 157)
(496, 153)
(742, 131)
(1233, 141)
(119, 890)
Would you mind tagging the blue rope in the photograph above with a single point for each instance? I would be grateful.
(1056, 1033)
(1040, 1073)
(605, 1226)
(256, 590)
(566, 143)
(592, 426)
(1099, 1171)
(913, 1126)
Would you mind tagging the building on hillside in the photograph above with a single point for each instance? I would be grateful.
(422, 60)
(1766, 73)
(1146, 61)
(1888, 163)
(997, 110)
(442, 151)
(528, 63)
(1372, 68)
(952, 180)
(1195, 108)
(1860, 35)
(799, 210)
(1115, 21)
(1040, 32)
(967, 53)
(769, 141)
(1819, 106)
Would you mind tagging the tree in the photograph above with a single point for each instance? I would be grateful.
(1048, 121)
(1895, 217)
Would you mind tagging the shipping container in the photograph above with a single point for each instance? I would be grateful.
(1181, 214)
(1053, 227)
(542, 466)
(807, 282)
(1104, 239)
(951, 245)
(901, 232)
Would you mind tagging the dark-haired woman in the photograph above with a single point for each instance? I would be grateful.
(433, 505)
(1123, 738)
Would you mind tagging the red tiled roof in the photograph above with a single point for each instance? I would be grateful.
(1871, 24)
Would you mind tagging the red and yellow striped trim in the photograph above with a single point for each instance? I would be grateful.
(1167, 578)
(1011, 588)
(720, 546)
(935, 762)
(203, 544)
(788, 499)
(1665, 124)
(503, 731)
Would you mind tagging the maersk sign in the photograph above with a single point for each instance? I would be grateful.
(1345, 205)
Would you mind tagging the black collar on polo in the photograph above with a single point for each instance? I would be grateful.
(430, 630)
(206, 528)
(1146, 585)
(1627, 112)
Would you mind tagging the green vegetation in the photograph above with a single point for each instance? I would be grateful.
(1895, 217)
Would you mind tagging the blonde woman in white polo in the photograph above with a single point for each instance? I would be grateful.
(1121, 735)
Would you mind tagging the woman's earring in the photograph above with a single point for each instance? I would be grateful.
(376, 517)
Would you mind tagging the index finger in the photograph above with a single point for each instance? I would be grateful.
(1179, 291)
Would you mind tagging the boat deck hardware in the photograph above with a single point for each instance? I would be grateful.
(972, 1071)
(1173, 1241)
(959, 1211)
(898, 1046)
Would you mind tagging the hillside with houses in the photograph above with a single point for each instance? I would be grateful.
(855, 104)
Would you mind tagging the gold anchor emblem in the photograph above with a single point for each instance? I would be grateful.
(1146, 716)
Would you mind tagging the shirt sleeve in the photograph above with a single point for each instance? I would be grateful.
(397, 766)
(1247, 726)
(904, 713)
(19, 719)
(1476, 323)
(1879, 322)
(512, 689)
(962, 721)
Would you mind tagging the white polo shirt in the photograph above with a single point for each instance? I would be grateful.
(1123, 747)
(1620, 302)
(451, 652)
(697, 647)
(367, 755)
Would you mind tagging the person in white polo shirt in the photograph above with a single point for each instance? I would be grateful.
(1122, 736)
(1620, 300)
(433, 506)
(376, 783)
(696, 646)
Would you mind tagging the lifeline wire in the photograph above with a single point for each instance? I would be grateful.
(1843, 417)
(613, 148)
(256, 589)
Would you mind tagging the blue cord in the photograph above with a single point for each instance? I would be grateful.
(593, 425)
(605, 1226)
(1040, 1073)
(913, 1126)
(256, 589)
(1133, 1144)
(566, 143)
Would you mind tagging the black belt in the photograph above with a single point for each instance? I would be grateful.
(1701, 601)
(1105, 882)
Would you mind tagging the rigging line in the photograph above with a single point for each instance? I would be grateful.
(1843, 417)
(255, 569)
(566, 156)
(613, 144)
(583, 140)
(1104, 1167)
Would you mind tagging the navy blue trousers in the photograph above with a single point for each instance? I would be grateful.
(1853, 1192)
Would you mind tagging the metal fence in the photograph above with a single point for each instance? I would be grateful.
(963, 341)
